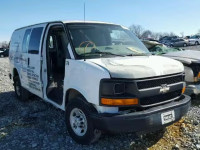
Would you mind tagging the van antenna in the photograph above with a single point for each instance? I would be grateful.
(84, 11)
(84, 22)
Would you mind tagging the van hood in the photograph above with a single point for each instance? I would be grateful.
(186, 56)
(139, 66)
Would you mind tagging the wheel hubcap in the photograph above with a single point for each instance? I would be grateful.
(78, 122)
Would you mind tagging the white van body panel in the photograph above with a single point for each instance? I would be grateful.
(14, 54)
(30, 75)
(85, 77)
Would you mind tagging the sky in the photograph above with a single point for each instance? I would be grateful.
(157, 15)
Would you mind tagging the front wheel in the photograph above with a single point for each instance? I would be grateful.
(79, 125)
(184, 45)
(196, 43)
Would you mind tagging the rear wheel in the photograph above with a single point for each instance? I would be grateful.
(184, 45)
(21, 93)
(79, 125)
(196, 43)
(2, 56)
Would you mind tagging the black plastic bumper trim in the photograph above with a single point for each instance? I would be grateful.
(146, 120)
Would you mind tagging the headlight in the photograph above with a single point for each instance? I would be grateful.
(117, 93)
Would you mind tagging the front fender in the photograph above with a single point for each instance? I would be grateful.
(85, 77)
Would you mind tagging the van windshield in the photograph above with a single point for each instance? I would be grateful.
(104, 40)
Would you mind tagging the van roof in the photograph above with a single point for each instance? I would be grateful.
(69, 22)
(79, 21)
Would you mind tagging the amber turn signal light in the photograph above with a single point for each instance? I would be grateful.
(198, 76)
(119, 102)
(183, 90)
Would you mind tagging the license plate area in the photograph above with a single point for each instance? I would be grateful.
(168, 117)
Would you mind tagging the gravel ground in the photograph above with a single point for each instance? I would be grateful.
(38, 125)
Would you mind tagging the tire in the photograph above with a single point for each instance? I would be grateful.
(193, 96)
(79, 125)
(21, 93)
(2, 56)
(196, 43)
(184, 45)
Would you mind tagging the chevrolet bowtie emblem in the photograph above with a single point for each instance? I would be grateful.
(164, 88)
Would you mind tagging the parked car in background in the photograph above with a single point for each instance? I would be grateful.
(190, 59)
(150, 39)
(1, 49)
(194, 40)
(167, 39)
(4, 53)
(178, 43)
(187, 37)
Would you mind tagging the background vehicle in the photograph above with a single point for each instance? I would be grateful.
(4, 53)
(190, 59)
(194, 40)
(1, 49)
(177, 43)
(167, 39)
(100, 74)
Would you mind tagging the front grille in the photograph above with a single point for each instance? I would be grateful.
(159, 98)
(158, 82)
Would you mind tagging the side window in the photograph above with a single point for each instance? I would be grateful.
(35, 39)
(26, 40)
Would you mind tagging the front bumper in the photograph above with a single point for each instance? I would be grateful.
(192, 89)
(146, 120)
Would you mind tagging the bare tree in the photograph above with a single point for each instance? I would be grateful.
(142, 33)
(147, 34)
(156, 35)
(4, 44)
(137, 29)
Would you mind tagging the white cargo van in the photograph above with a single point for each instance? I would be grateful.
(100, 74)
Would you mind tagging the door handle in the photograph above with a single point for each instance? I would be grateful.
(28, 61)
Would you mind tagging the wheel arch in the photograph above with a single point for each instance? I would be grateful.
(15, 73)
(71, 94)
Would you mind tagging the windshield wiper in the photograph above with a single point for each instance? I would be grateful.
(109, 53)
(104, 53)
(141, 54)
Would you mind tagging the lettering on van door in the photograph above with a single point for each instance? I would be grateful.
(33, 79)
